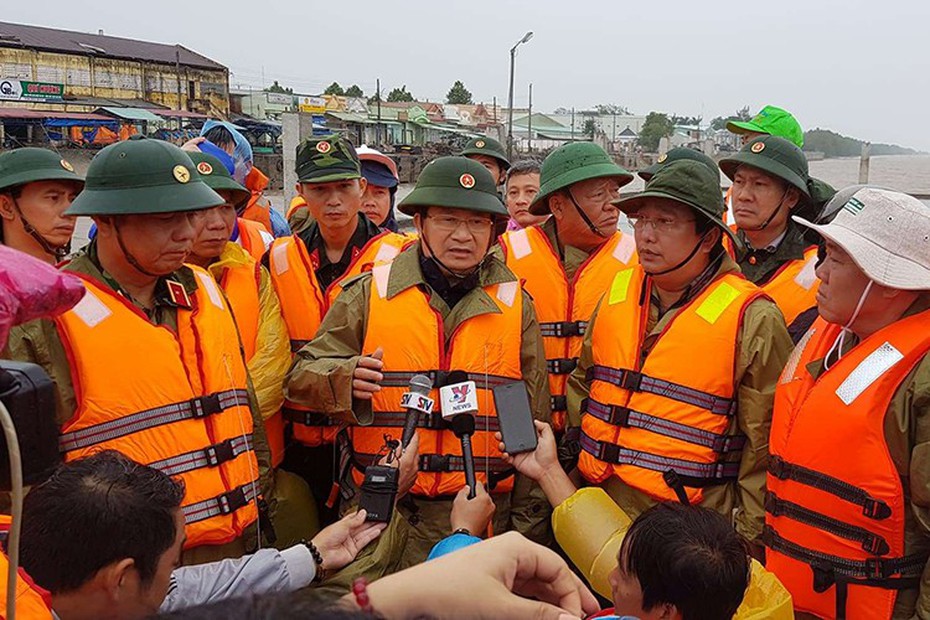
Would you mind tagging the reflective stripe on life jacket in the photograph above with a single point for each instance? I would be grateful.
(304, 303)
(663, 425)
(487, 347)
(563, 307)
(835, 525)
(794, 287)
(178, 400)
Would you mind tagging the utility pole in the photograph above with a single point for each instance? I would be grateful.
(513, 54)
(529, 123)
(573, 124)
(177, 71)
(378, 99)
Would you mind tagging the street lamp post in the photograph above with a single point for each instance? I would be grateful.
(513, 54)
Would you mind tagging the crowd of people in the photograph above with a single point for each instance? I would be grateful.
(731, 419)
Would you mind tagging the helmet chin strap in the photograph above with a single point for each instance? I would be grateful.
(458, 275)
(584, 216)
(128, 255)
(772, 215)
(687, 259)
(838, 344)
(58, 251)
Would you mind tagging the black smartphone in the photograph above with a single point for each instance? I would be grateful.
(516, 419)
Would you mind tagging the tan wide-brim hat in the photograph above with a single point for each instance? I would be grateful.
(886, 233)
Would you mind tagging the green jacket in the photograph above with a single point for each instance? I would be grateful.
(321, 377)
(763, 348)
(38, 342)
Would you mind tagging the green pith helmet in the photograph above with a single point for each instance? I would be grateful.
(677, 154)
(775, 156)
(687, 182)
(457, 183)
(142, 176)
(571, 163)
(489, 147)
(217, 177)
(324, 159)
(28, 165)
(771, 121)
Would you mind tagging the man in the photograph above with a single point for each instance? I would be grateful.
(489, 153)
(123, 564)
(150, 362)
(849, 536)
(770, 121)
(307, 270)
(522, 187)
(443, 304)
(677, 154)
(36, 188)
(770, 182)
(674, 386)
(258, 208)
(567, 262)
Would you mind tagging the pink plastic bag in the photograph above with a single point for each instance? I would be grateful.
(31, 289)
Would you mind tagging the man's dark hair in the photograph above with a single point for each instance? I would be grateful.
(95, 511)
(301, 605)
(689, 557)
(524, 166)
(220, 136)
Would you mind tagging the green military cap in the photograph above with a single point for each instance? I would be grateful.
(771, 121)
(28, 165)
(457, 183)
(487, 146)
(323, 159)
(217, 176)
(677, 154)
(570, 164)
(142, 176)
(687, 182)
(775, 156)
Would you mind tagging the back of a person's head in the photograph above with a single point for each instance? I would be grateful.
(95, 511)
(295, 606)
(688, 557)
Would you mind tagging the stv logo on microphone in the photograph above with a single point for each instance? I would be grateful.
(460, 393)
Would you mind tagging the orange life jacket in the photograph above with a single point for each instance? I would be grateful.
(250, 238)
(242, 286)
(178, 402)
(563, 307)
(32, 602)
(297, 202)
(258, 209)
(304, 303)
(835, 503)
(661, 425)
(487, 347)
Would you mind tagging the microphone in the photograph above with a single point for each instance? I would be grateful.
(415, 401)
(459, 402)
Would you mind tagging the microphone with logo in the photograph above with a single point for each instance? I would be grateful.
(459, 403)
(416, 401)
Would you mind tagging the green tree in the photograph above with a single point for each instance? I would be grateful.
(354, 91)
(277, 88)
(721, 121)
(458, 94)
(334, 89)
(689, 121)
(656, 127)
(400, 94)
(589, 128)
(612, 108)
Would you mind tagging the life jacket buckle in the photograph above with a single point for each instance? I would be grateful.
(772, 505)
(558, 403)
(778, 468)
(434, 463)
(631, 381)
(561, 366)
(206, 406)
(232, 501)
(568, 329)
(876, 545)
(876, 509)
(824, 577)
(875, 569)
(619, 416)
(609, 453)
(219, 453)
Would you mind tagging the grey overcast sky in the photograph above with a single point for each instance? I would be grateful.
(859, 67)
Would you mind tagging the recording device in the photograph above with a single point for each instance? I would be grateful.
(515, 417)
(416, 401)
(379, 491)
(459, 405)
(29, 395)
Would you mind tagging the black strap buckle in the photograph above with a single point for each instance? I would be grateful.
(875, 568)
(219, 453)
(876, 545)
(772, 505)
(435, 463)
(233, 501)
(565, 329)
(876, 509)
(434, 421)
(778, 468)
(558, 403)
(631, 380)
(676, 484)
(609, 453)
(619, 416)
(824, 577)
(205, 406)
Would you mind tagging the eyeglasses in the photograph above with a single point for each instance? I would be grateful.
(662, 224)
(475, 225)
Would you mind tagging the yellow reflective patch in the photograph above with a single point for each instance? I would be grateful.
(619, 287)
(718, 301)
